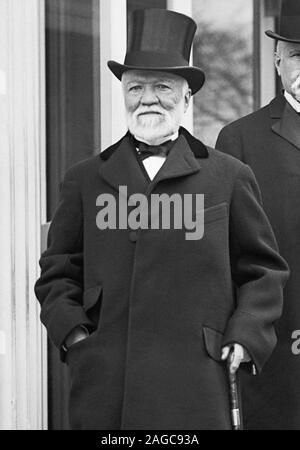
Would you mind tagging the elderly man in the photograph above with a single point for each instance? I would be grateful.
(269, 141)
(144, 315)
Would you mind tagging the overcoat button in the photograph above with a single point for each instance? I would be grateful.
(133, 236)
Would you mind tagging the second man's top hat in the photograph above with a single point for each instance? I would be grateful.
(289, 22)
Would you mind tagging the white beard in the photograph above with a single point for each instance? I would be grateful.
(153, 128)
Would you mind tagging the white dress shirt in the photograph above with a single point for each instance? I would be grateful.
(154, 163)
(292, 101)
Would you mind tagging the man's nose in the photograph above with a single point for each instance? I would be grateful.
(149, 96)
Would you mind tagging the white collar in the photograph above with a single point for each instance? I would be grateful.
(292, 101)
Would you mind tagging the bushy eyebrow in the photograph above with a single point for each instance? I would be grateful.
(141, 80)
(291, 51)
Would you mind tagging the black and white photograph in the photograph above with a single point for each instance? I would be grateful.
(150, 222)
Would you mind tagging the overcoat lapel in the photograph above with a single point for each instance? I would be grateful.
(180, 162)
(122, 167)
(288, 126)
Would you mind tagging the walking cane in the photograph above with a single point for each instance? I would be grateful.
(234, 398)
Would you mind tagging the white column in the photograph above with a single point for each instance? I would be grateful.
(22, 142)
(113, 26)
(267, 47)
(185, 7)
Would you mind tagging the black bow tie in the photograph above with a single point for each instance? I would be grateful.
(145, 150)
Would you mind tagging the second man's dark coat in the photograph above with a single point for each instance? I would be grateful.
(269, 142)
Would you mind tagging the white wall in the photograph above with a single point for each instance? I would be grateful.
(267, 47)
(22, 143)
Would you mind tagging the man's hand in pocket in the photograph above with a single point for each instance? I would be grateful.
(77, 334)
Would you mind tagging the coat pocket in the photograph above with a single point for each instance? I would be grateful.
(213, 342)
(215, 212)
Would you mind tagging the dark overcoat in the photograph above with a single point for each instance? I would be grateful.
(159, 306)
(269, 142)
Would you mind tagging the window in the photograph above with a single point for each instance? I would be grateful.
(72, 88)
(223, 48)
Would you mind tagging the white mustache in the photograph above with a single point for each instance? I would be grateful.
(147, 111)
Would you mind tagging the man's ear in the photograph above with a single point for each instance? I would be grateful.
(187, 98)
(277, 61)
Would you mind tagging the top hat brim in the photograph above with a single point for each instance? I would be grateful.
(193, 75)
(278, 37)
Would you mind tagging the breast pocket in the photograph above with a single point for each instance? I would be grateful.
(215, 213)
(208, 219)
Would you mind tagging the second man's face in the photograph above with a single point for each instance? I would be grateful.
(155, 103)
(288, 67)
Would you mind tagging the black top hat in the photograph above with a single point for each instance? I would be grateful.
(289, 28)
(161, 40)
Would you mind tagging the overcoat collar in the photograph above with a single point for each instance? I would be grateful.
(288, 125)
(120, 166)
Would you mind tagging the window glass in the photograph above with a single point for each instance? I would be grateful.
(223, 48)
(72, 88)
